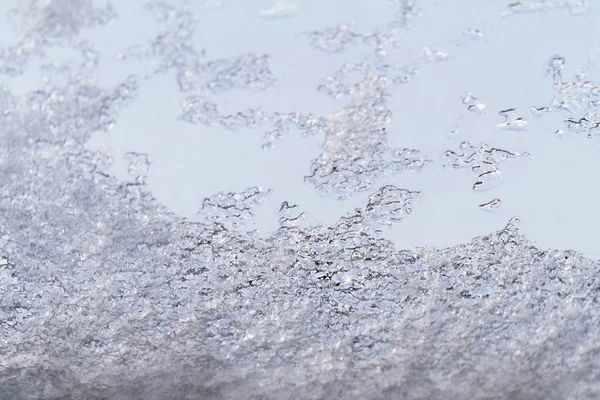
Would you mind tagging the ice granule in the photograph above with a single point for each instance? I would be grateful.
(482, 160)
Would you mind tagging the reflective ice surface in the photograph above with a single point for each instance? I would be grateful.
(299, 199)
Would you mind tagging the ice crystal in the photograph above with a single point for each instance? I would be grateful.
(482, 160)
(232, 207)
(575, 7)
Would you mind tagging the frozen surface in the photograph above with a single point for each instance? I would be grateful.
(299, 199)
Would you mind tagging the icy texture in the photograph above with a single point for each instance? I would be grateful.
(173, 48)
(575, 7)
(46, 23)
(342, 37)
(105, 294)
(473, 104)
(512, 121)
(138, 166)
(232, 208)
(280, 9)
(202, 111)
(290, 218)
(389, 204)
(580, 97)
(491, 205)
(355, 152)
(482, 160)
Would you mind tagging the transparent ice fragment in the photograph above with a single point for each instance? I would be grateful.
(477, 107)
(138, 166)
(578, 7)
(491, 205)
(556, 66)
(247, 71)
(290, 217)
(280, 9)
(233, 208)
(575, 7)
(512, 121)
(334, 40)
(198, 110)
(589, 124)
(472, 103)
(474, 34)
(482, 160)
(539, 111)
(486, 180)
(390, 204)
(59, 20)
(434, 55)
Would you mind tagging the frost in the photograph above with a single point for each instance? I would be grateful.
(491, 205)
(290, 218)
(472, 103)
(512, 121)
(52, 20)
(435, 55)
(232, 207)
(138, 166)
(173, 48)
(280, 9)
(390, 204)
(579, 96)
(474, 34)
(247, 71)
(539, 111)
(575, 7)
(340, 38)
(482, 160)
(201, 111)
(355, 153)
(44, 23)
(334, 40)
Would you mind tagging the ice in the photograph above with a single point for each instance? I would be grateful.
(280, 9)
(491, 205)
(575, 7)
(482, 160)
(512, 121)
(233, 207)
(105, 293)
(473, 104)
